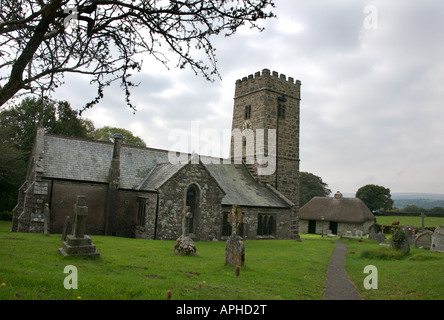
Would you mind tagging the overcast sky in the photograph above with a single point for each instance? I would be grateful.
(372, 76)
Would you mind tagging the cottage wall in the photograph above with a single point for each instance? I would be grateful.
(343, 227)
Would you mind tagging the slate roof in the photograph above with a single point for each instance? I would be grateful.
(351, 210)
(147, 169)
(86, 160)
(241, 188)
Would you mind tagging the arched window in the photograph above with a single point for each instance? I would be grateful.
(265, 225)
(191, 201)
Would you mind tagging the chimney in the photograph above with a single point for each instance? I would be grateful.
(114, 170)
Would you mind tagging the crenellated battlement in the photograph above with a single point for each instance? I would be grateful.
(268, 80)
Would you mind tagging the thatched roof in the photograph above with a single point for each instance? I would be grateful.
(337, 209)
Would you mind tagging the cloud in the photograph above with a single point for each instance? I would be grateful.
(371, 99)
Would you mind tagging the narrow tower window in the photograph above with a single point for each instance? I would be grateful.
(282, 110)
(247, 112)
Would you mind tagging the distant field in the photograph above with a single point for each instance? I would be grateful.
(411, 221)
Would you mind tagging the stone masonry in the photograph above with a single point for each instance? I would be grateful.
(271, 101)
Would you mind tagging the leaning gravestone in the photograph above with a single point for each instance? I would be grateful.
(184, 244)
(79, 244)
(424, 240)
(372, 231)
(379, 237)
(438, 240)
(46, 221)
(66, 228)
(400, 240)
(234, 247)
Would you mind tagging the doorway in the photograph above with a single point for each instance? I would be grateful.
(312, 226)
(334, 227)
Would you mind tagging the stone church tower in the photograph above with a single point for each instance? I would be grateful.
(270, 102)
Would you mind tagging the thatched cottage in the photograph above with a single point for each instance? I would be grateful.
(335, 215)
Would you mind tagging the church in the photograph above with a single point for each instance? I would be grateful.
(140, 193)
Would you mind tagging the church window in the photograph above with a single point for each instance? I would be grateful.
(191, 202)
(247, 112)
(141, 209)
(282, 110)
(265, 225)
(226, 227)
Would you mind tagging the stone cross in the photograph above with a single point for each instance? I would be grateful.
(235, 219)
(422, 218)
(46, 217)
(81, 211)
(65, 228)
(186, 216)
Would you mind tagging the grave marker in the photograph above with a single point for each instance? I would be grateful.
(79, 244)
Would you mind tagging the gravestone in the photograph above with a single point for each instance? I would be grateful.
(79, 244)
(400, 240)
(46, 222)
(424, 240)
(184, 244)
(359, 233)
(234, 247)
(422, 220)
(438, 240)
(379, 237)
(66, 228)
(372, 231)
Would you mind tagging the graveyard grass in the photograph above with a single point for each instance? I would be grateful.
(133, 269)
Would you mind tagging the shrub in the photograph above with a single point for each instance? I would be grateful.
(383, 253)
(6, 216)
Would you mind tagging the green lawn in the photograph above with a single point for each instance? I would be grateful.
(415, 276)
(32, 268)
(133, 269)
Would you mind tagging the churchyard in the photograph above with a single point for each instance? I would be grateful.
(135, 269)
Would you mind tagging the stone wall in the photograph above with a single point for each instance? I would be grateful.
(282, 219)
(342, 227)
(33, 194)
(172, 198)
(266, 93)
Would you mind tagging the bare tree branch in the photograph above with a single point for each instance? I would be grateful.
(42, 40)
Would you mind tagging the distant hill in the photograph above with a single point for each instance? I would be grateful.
(422, 200)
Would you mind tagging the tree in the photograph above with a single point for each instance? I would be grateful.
(20, 122)
(12, 171)
(311, 186)
(18, 126)
(107, 134)
(376, 198)
(41, 40)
